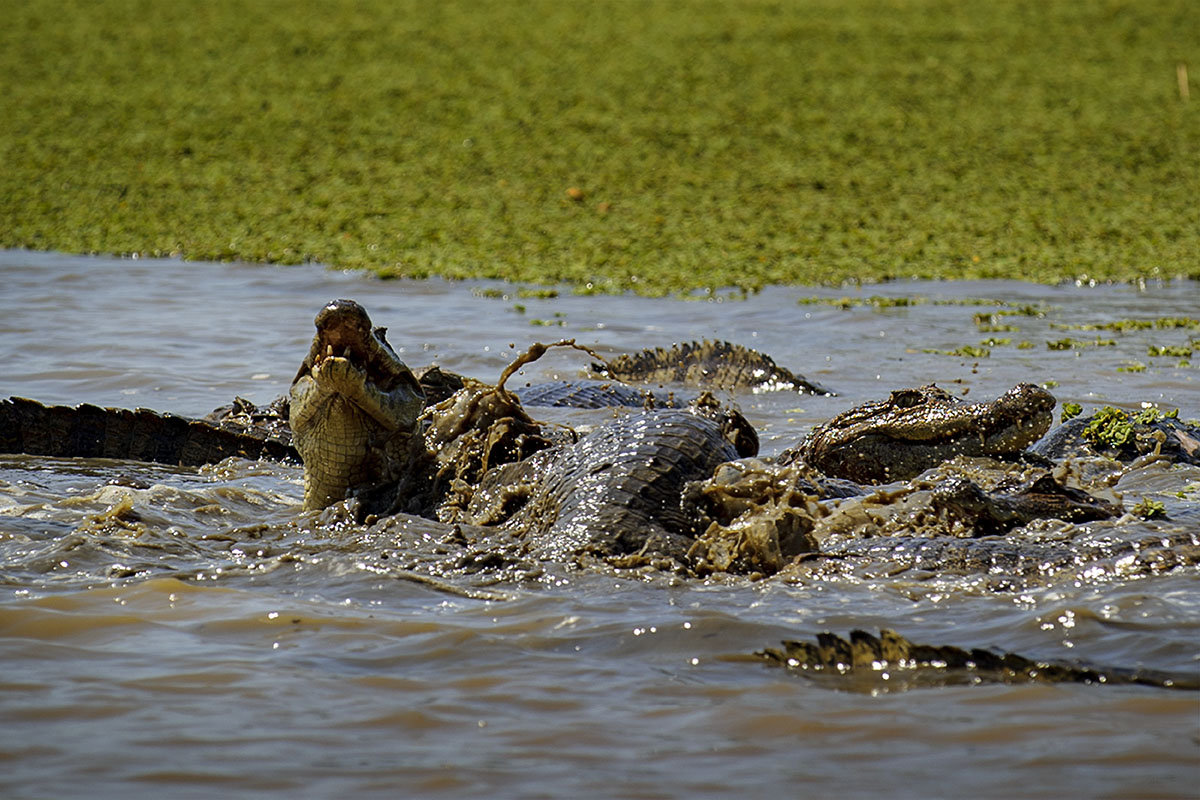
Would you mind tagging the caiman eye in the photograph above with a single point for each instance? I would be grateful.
(907, 398)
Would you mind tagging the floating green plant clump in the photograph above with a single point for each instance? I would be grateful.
(1110, 426)
(1124, 325)
(1070, 411)
(657, 147)
(1179, 351)
(964, 351)
(1149, 509)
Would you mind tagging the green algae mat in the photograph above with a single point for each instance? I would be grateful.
(659, 146)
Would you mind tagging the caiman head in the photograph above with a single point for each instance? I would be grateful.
(917, 429)
(354, 406)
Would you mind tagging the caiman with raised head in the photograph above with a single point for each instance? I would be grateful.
(354, 406)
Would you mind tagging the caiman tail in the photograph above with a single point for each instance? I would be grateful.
(87, 431)
(890, 659)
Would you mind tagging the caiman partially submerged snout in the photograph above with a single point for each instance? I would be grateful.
(916, 429)
(354, 406)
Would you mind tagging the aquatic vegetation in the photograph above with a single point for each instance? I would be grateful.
(558, 320)
(1114, 427)
(540, 294)
(1179, 351)
(1149, 509)
(668, 147)
(1124, 325)
(964, 351)
(1154, 414)
(1075, 344)
(1110, 426)
(988, 322)
(1070, 411)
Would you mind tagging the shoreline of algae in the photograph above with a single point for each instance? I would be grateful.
(661, 147)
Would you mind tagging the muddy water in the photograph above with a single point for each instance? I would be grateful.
(188, 632)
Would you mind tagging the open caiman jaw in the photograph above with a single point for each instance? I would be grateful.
(354, 406)
(344, 330)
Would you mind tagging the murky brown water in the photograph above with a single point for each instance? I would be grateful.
(178, 632)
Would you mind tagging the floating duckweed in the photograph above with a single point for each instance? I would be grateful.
(994, 342)
(114, 150)
(997, 328)
(1137, 366)
(880, 302)
(1178, 351)
(1027, 310)
(1076, 344)
(1123, 325)
(966, 351)
(1025, 345)
(875, 301)
(541, 294)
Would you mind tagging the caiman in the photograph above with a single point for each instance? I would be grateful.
(354, 407)
(632, 489)
(891, 660)
(707, 365)
(360, 422)
(915, 429)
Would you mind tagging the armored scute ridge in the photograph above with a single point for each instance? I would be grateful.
(707, 365)
(88, 431)
(891, 657)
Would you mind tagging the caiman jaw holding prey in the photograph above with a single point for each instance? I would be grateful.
(354, 405)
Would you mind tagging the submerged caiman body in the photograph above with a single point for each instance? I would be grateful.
(892, 660)
(916, 429)
(617, 491)
(88, 431)
(708, 365)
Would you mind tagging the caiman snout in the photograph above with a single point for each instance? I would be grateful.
(354, 405)
(343, 325)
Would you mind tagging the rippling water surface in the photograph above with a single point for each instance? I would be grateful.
(182, 632)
